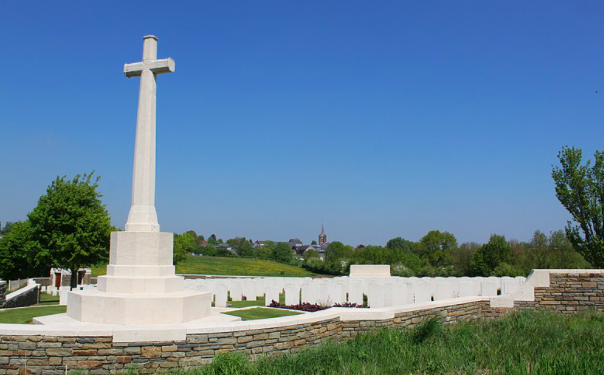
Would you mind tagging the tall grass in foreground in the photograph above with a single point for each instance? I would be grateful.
(529, 342)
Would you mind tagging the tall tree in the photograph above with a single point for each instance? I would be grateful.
(580, 189)
(242, 246)
(184, 244)
(283, 253)
(71, 224)
(437, 245)
(401, 244)
(490, 255)
(337, 252)
(19, 255)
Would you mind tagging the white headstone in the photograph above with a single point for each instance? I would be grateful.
(222, 292)
(272, 294)
(292, 294)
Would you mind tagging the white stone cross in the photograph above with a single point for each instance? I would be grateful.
(143, 216)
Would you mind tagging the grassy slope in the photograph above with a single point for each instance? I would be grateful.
(521, 343)
(262, 313)
(25, 315)
(230, 266)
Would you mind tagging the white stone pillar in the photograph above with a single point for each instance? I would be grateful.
(222, 292)
(355, 293)
(423, 292)
(272, 294)
(375, 296)
(292, 294)
(444, 291)
(311, 293)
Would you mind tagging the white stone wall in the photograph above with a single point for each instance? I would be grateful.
(377, 292)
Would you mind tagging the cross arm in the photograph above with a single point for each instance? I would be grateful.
(156, 66)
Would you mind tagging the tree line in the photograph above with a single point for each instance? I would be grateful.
(438, 254)
(191, 243)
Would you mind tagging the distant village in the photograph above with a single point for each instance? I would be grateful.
(298, 247)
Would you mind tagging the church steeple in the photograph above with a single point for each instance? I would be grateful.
(323, 237)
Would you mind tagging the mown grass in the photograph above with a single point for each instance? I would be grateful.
(261, 313)
(258, 302)
(25, 315)
(526, 342)
(48, 299)
(201, 265)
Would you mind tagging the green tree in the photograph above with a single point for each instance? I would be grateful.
(461, 257)
(336, 254)
(71, 224)
(283, 253)
(580, 189)
(310, 253)
(242, 246)
(192, 233)
(491, 255)
(401, 244)
(19, 255)
(266, 251)
(183, 244)
(437, 245)
(7, 227)
(313, 242)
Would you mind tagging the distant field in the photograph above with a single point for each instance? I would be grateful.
(230, 266)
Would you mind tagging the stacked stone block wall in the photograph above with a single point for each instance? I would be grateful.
(28, 298)
(569, 293)
(2, 293)
(449, 314)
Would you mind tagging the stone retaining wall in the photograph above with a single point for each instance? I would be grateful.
(2, 293)
(100, 355)
(449, 314)
(569, 293)
(25, 298)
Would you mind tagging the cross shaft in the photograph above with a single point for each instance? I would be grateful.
(143, 216)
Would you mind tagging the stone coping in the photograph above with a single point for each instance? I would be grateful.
(20, 291)
(176, 332)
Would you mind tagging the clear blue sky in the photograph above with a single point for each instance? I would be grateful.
(383, 118)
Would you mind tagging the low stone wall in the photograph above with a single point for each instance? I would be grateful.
(449, 314)
(100, 355)
(23, 298)
(568, 293)
(2, 293)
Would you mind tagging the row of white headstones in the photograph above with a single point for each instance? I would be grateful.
(379, 292)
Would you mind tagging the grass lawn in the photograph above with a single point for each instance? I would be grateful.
(230, 266)
(25, 315)
(524, 342)
(261, 313)
(48, 299)
(257, 302)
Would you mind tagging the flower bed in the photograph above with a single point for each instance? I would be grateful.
(312, 307)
